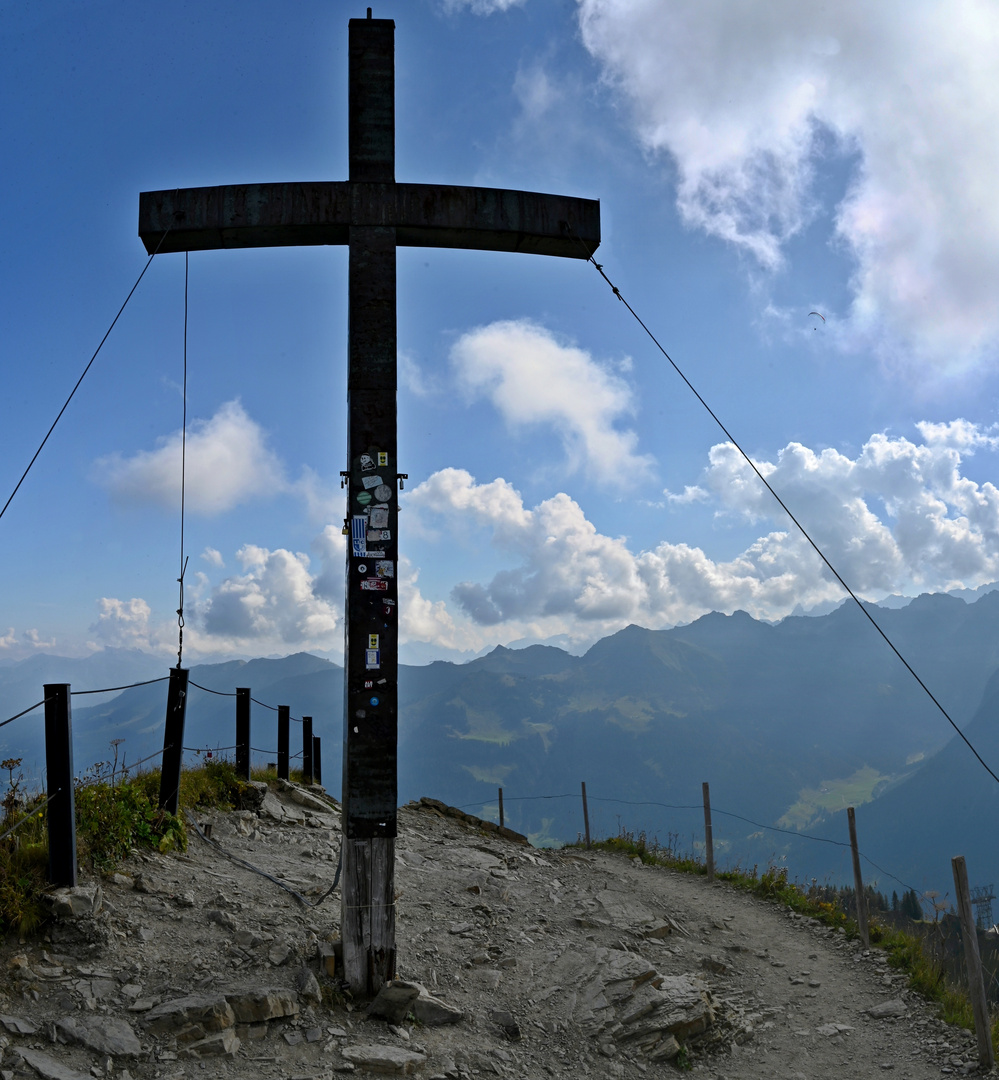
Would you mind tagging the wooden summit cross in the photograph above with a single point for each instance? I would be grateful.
(373, 215)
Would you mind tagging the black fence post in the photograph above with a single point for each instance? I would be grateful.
(586, 816)
(59, 774)
(501, 807)
(173, 740)
(284, 724)
(317, 760)
(709, 840)
(243, 732)
(306, 749)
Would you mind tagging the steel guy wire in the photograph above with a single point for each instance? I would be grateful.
(83, 376)
(860, 604)
(24, 712)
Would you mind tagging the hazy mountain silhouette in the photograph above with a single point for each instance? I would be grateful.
(787, 722)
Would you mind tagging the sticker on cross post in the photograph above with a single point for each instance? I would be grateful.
(370, 482)
(378, 536)
(372, 659)
(378, 517)
(363, 497)
(367, 463)
(385, 568)
(382, 459)
(358, 535)
(383, 493)
(372, 641)
(373, 584)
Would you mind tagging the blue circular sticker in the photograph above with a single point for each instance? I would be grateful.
(374, 701)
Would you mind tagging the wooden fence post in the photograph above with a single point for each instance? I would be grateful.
(59, 784)
(858, 881)
(284, 740)
(173, 741)
(973, 961)
(501, 806)
(306, 749)
(243, 732)
(709, 843)
(586, 817)
(317, 760)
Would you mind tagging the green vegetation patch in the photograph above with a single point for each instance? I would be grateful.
(832, 796)
(114, 814)
(483, 726)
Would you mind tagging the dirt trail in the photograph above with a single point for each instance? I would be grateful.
(563, 965)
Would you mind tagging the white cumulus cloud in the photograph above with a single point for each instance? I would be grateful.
(745, 97)
(900, 516)
(273, 603)
(228, 462)
(533, 378)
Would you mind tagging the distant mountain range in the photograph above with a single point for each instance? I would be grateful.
(789, 723)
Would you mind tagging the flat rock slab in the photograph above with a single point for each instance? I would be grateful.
(75, 902)
(395, 1000)
(896, 1007)
(49, 1067)
(105, 1034)
(378, 1058)
(17, 1025)
(257, 1005)
(191, 1018)
(433, 1012)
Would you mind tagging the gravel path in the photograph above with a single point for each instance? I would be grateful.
(564, 964)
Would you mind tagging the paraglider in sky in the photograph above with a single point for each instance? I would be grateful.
(820, 315)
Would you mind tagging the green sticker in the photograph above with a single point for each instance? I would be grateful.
(364, 497)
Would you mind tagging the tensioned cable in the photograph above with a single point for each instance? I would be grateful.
(183, 479)
(81, 378)
(230, 693)
(24, 712)
(783, 506)
(220, 693)
(109, 689)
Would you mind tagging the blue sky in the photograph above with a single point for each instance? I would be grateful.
(754, 163)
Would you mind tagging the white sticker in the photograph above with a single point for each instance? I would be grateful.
(385, 568)
(376, 536)
(382, 493)
(378, 517)
(372, 659)
(370, 482)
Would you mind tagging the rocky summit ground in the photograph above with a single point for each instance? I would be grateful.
(513, 962)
